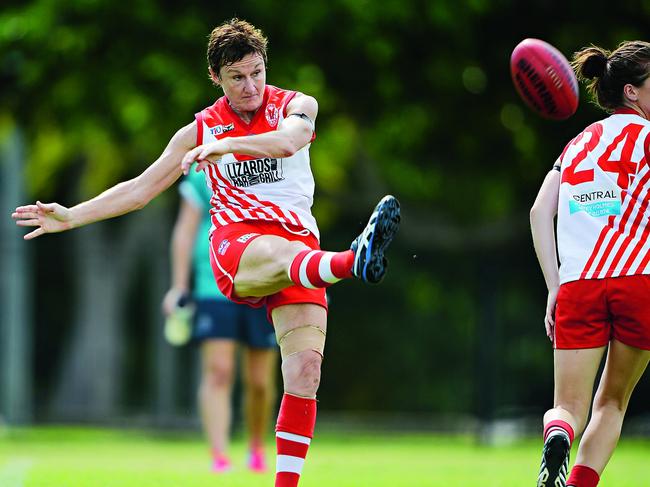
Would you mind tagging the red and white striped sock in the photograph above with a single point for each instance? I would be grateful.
(316, 268)
(558, 427)
(293, 434)
(583, 476)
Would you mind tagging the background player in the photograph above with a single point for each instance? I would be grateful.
(218, 325)
(264, 247)
(599, 188)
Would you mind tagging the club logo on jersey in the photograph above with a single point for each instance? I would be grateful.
(255, 171)
(245, 238)
(596, 203)
(272, 114)
(223, 246)
(222, 129)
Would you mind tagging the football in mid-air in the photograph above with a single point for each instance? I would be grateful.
(544, 79)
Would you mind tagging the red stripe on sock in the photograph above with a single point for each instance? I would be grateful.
(286, 479)
(342, 264)
(294, 270)
(583, 476)
(558, 423)
(297, 415)
(313, 273)
(340, 267)
(293, 448)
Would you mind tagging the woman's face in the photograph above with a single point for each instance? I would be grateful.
(243, 82)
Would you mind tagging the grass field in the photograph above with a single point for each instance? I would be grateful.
(71, 457)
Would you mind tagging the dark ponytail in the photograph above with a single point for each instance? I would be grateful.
(606, 73)
(590, 63)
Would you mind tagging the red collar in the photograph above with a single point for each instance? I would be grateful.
(625, 111)
(257, 114)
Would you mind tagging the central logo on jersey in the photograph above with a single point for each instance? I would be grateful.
(272, 114)
(596, 203)
(220, 129)
(255, 171)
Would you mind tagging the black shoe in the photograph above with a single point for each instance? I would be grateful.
(554, 469)
(369, 261)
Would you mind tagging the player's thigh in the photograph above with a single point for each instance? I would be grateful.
(623, 369)
(300, 330)
(263, 266)
(575, 373)
(291, 316)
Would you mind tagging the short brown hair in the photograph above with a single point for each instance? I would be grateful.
(609, 72)
(231, 41)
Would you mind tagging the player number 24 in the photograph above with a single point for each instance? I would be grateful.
(623, 167)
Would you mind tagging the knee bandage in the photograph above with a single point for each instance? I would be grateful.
(307, 337)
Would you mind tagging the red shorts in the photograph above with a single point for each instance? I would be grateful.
(227, 244)
(590, 312)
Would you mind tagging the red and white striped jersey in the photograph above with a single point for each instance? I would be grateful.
(246, 188)
(602, 227)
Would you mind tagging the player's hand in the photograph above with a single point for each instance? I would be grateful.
(47, 217)
(203, 155)
(171, 300)
(549, 318)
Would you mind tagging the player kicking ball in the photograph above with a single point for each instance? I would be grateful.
(253, 145)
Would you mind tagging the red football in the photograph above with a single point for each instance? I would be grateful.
(544, 79)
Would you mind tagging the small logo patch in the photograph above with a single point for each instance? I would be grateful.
(272, 114)
(223, 246)
(245, 238)
(220, 129)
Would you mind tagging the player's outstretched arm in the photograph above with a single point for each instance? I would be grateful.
(542, 224)
(118, 200)
(182, 246)
(294, 133)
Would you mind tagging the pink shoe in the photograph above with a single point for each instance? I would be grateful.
(221, 464)
(256, 461)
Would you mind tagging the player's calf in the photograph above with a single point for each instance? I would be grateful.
(302, 352)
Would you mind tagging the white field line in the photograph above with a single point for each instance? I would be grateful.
(14, 472)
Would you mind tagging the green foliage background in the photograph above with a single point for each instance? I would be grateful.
(415, 99)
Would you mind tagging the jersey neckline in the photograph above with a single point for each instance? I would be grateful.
(626, 111)
(258, 113)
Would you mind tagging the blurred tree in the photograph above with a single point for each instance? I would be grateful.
(415, 99)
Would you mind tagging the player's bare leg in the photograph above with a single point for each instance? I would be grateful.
(623, 369)
(259, 382)
(271, 263)
(263, 268)
(300, 329)
(217, 374)
(575, 373)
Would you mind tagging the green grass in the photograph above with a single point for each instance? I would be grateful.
(71, 457)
